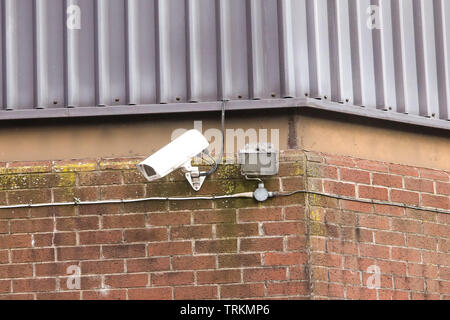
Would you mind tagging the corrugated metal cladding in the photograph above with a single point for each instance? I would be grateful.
(139, 54)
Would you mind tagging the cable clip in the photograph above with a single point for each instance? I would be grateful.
(77, 201)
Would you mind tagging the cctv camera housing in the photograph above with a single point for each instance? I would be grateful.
(177, 154)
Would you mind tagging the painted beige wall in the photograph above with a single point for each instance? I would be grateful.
(395, 144)
(53, 140)
(119, 138)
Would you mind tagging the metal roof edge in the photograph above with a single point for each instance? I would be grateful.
(216, 106)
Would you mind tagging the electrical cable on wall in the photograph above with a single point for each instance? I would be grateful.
(249, 195)
(216, 164)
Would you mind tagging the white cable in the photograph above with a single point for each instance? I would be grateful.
(77, 202)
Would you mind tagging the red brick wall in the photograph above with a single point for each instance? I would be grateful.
(301, 247)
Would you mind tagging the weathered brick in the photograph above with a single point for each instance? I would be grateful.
(99, 267)
(288, 288)
(345, 276)
(127, 280)
(432, 201)
(406, 254)
(15, 241)
(32, 285)
(237, 230)
(419, 185)
(242, 290)
(387, 180)
(239, 260)
(216, 216)
(106, 294)
(77, 223)
(329, 290)
(216, 246)
(148, 264)
(190, 232)
(356, 206)
(390, 238)
(172, 278)
(99, 209)
(124, 251)
(29, 196)
(119, 163)
(265, 274)
(195, 292)
(423, 270)
(421, 242)
(339, 188)
(326, 259)
(403, 170)
(170, 248)
(259, 214)
(194, 263)
(357, 176)
(53, 269)
(342, 247)
(293, 184)
(100, 237)
(81, 193)
(371, 165)
(405, 197)
(122, 192)
(123, 221)
(145, 235)
(284, 228)
(294, 213)
(409, 283)
(219, 276)
(4, 258)
(284, 259)
(296, 243)
(443, 188)
(434, 229)
(375, 193)
(78, 253)
(374, 222)
(433, 174)
(58, 296)
(99, 178)
(340, 160)
(261, 244)
(75, 165)
(32, 255)
(29, 167)
(410, 226)
(16, 271)
(31, 226)
(389, 210)
(169, 219)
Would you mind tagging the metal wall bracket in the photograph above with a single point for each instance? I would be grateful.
(193, 176)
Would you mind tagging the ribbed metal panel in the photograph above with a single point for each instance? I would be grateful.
(149, 56)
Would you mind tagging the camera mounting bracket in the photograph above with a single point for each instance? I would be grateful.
(193, 176)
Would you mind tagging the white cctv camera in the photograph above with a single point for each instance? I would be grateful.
(175, 155)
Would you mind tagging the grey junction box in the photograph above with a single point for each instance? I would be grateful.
(259, 160)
